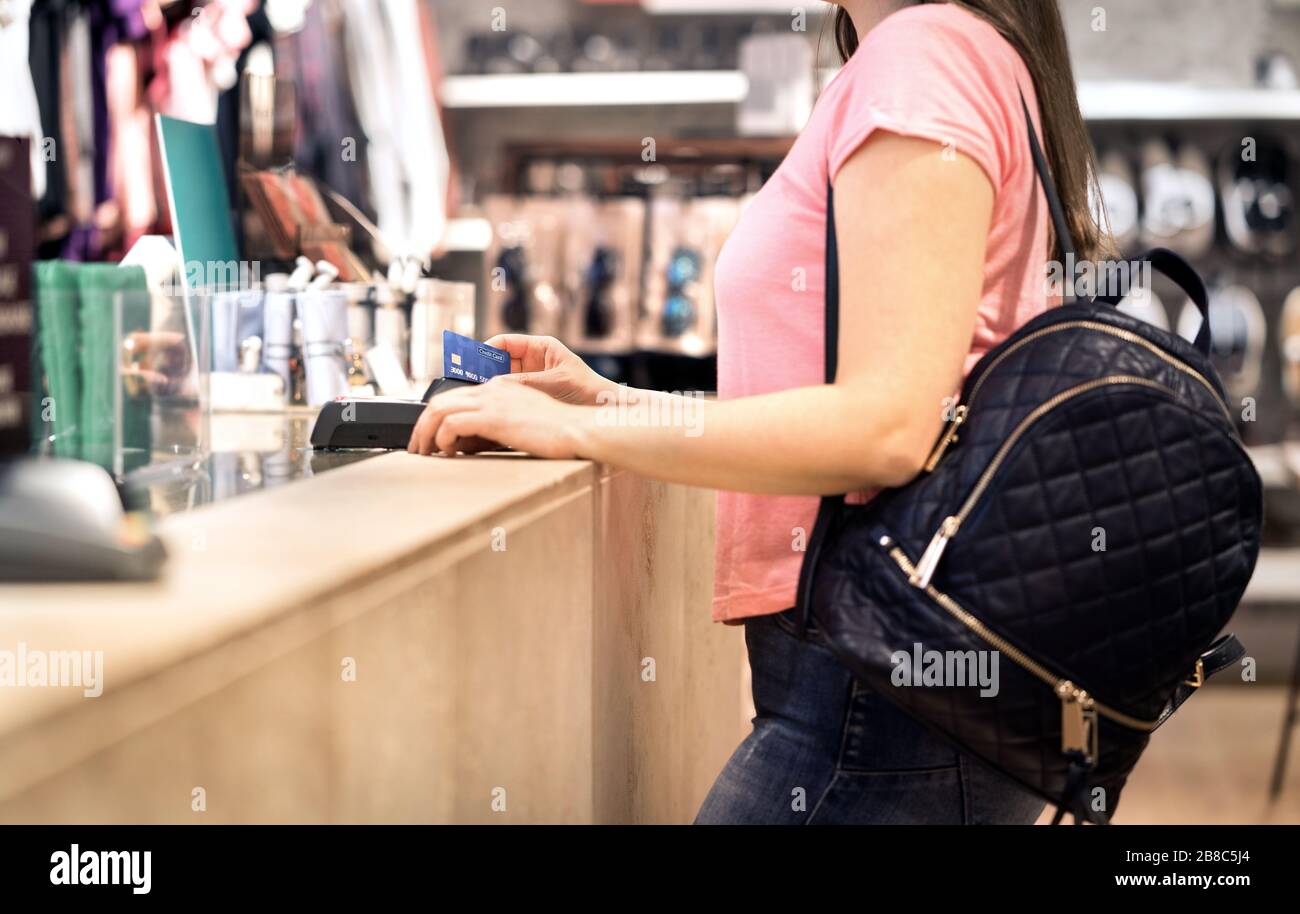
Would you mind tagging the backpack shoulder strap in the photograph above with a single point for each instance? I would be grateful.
(1064, 240)
(828, 507)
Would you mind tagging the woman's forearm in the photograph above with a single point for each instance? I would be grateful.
(803, 441)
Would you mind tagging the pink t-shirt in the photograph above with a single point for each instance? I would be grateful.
(933, 71)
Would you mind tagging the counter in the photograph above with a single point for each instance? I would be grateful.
(401, 639)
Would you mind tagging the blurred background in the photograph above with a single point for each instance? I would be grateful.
(572, 168)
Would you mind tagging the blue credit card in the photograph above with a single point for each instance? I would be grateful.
(471, 360)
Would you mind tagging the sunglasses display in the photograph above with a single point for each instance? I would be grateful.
(680, 313)
(511, 272)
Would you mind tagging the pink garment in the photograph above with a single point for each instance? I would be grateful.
(936, 72)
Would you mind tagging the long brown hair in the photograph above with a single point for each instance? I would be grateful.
(1034, 28)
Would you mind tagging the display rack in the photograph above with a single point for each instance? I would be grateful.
(1100, 101)
(588, 90)
(678, 154)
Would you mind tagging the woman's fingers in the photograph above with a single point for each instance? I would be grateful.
(413, 443)
(424, 435)
(551, 381)
(448, 431)
(475, 444)
(514, 343)
(492, 414)
(460, 431)
(527, 353)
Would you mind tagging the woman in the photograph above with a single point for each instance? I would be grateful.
(944, 238)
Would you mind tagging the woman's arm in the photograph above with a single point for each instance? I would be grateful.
(912, 218)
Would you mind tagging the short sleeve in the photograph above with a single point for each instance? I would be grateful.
(934, 72)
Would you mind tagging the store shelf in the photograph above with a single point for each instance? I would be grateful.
(681, 155)
(1124, 101)
(726, 7)
(667, 149)
(1108, 101)
(468, 234)
(557, 90)
(1276, 581)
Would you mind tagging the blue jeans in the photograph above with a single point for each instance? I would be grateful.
(826, 749)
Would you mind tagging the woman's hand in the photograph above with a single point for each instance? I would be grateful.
(544, 363)
(500, 412)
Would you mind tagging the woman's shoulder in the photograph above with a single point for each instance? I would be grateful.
(933, 48)
(934, 70)
(940, 38)
(937, 23)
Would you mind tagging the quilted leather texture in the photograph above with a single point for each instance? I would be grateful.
(1155, 467)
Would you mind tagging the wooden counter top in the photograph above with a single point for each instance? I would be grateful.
(498, 610)
(243, 562)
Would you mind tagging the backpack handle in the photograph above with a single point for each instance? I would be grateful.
(1180, 272)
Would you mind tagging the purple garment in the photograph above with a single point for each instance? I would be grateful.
(82, 244)
(111, 22)
(129, 16)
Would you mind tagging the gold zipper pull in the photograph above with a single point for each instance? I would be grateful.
(1078, 721)
(949, 437)
(925, 568)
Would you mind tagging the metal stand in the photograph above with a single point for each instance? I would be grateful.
(1289, 721)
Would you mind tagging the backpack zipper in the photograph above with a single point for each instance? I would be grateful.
(929, 561)
(1079, 709)
(961, 411)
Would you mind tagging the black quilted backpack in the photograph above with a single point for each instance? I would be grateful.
(1089, 514)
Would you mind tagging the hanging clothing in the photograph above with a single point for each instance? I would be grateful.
(20, 115)
(200, 60)
(407, 153)
(330, 142)
(132, 144)
(48, 27)
(78, 110)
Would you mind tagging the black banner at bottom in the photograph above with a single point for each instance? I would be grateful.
(331, 863)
